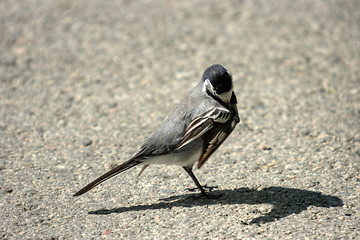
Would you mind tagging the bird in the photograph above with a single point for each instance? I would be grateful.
(192, 132)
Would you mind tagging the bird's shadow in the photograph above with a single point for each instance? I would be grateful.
(285, 201)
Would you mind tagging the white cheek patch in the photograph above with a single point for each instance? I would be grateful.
(208, 86)
(226, 96)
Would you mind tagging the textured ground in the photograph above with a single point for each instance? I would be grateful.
(83, 83)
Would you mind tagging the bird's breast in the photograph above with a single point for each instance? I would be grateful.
(186, 156)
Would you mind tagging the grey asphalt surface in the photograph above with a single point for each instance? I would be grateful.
(83, 83)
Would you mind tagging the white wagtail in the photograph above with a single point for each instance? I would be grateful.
(192, 132)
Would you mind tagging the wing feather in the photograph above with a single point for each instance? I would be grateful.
(214, 138)
(203, 123)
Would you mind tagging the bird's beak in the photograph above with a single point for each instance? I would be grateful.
(233, 107)
(235, 112)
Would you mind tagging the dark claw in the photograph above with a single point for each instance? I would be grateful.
(206, 187)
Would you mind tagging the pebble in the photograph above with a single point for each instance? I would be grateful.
(86, 142)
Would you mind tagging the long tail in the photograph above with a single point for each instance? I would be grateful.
(119, 169)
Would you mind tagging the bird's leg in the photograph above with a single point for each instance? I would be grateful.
(190, 172)
(203, 193)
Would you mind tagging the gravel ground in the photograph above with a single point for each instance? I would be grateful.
(83, 83)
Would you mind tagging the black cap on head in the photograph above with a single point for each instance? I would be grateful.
(219, 77)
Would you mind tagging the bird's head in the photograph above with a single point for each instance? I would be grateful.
(218, 82)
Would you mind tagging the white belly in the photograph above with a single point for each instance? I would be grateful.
(181, 158)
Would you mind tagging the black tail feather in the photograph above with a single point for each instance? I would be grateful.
(119, 169)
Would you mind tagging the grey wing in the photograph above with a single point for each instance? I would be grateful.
(204, 123)
(213, 127)
(214, 138)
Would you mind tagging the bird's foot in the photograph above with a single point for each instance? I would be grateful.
(204, 194)
(209, 188)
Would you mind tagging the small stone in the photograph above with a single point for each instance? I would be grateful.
(349, 212)
(357, 152)
(86, 142)
(230, 161)
(266, 148)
